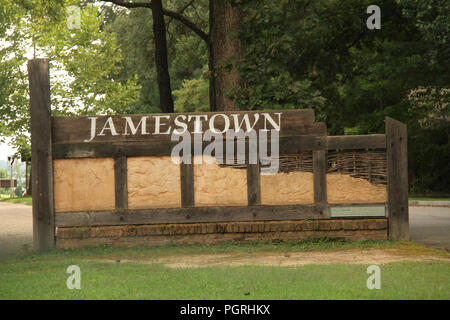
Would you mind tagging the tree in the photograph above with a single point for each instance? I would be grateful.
(224, 49)
(3, 173)
(84, 61)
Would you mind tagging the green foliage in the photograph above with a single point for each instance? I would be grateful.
(19, 191)
(85, 65)
(193, 96)
(187, 53)
(320, 55)
(4, 173)
(92, 58)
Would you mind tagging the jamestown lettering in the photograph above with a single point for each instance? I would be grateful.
(181, 123)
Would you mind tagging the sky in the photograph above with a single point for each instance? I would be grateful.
(5, 151)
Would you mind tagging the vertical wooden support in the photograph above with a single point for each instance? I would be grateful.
(187, 184)
(41, 155)
(120, 179)
(253, 185)
(397, 161)
(320, 177)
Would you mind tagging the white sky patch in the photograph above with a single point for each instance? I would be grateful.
(5, 151)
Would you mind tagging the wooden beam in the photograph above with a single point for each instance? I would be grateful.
(120, 179)
(102, 150)
(78, 129)
(189, 215)
(187, 184)
(41, 155)
(294, 144)
(397, 161)
(320, 177)
(253, 185)
(370, 141)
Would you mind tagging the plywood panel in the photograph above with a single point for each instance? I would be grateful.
(342, 188)
(287, 188)
(84, 184)
(218, 186)
(153, 182)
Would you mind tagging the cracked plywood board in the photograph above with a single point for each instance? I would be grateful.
(83, 184)
(153, 182)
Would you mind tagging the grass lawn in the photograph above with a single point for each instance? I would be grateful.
(429, 199)
(43, 276)
(25, 200)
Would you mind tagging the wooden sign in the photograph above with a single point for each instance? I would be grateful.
(160, 127)
(6, 183)
(118, 170)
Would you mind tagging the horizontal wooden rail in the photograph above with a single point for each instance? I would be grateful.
(371, 141)
(190, 215)
(293, 144)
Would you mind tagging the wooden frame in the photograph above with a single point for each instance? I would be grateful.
(56, 138)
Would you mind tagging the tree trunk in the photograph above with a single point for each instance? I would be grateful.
(162, 68)
(224, 51)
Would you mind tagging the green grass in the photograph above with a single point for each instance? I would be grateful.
(25, 200)
(247, 247)
(43, 276)
(429, 199)
(436, 196)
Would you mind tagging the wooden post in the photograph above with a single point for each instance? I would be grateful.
(187, 184)
(320, 177)
(253, 185)
(397, 162)
(41, 155)
(120, 180)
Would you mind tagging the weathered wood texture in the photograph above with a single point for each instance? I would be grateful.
(120, 180)
(320, 177)
(213, 233)
(78, 129)
(397, 160)
(289, 144)
(41, 155)
(292, 144)
(187, 185)
(253, 185)
(189, 215)
(370, 141)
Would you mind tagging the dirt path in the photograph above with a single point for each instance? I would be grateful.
(16, 228)
(287, 259)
